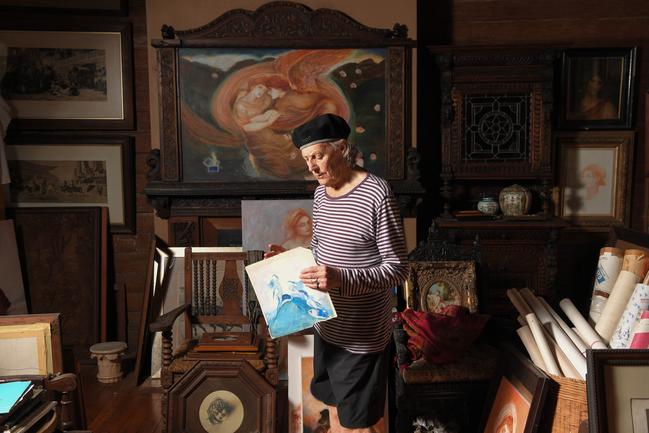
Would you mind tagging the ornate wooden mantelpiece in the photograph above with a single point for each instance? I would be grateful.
(282, 25)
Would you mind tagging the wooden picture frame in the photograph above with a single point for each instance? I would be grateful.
(76, 74)
(248, 398)
(435, 285)
(74, 171)
(595, 177)
(64, 269)
(597, 88)
(30, 327)
(623, 374)
(226, 168)
(76, 7)
(517, 395)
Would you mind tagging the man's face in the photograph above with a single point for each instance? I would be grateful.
(325, 162)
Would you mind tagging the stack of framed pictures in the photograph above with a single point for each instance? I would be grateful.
(73, 75)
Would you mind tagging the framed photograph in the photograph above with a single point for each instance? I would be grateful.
(34, 340)
(595, 177)
(435, 285)
(618, 391)
(597, 88)
(305, 412)
(517, 397)
(74, 171)
(288, 223)
(64, 268)
(76, 76)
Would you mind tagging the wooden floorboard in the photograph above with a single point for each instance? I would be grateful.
(120, 407)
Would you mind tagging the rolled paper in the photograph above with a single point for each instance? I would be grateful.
(574, 337)
(527, 338)
(519, 303)
(542, 343)
(608, 268)
(638, 302)
(588, 334)
(538, 308)
(572, 354)
(636, 261)
(620, 295)
(640, 339)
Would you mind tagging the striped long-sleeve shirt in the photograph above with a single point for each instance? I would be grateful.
(360, 233)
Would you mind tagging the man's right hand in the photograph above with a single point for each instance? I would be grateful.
(273, 250)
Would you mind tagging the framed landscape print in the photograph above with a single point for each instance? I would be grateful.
(74, 171)
(597, 88)
(595, 177)
(618, 391)
(76, 76)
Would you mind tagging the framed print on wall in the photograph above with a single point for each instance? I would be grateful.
(74, 171)
(618, 390)
(597, 88)
(69, 76)
(595, 177)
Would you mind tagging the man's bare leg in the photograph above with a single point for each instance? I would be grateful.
(337, 428)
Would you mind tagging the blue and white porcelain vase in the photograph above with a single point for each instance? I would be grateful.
(488, 205)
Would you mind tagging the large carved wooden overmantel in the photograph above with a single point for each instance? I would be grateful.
(194, 172)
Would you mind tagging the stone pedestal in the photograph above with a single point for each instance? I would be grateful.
(109, 360)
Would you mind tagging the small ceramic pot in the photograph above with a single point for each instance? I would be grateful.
(488, 205)
(515, 200)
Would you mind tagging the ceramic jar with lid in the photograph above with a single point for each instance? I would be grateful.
(488, 205)
(515, 200)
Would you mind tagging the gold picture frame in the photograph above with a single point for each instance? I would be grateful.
(436, 285)
(595, 177)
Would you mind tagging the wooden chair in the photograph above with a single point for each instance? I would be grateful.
(221, 322)
(447, 392)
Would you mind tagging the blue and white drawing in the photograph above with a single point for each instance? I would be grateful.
(288, 306)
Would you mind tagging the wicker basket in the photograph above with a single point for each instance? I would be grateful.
(567, 407)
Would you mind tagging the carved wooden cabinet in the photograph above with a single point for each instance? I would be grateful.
(496, 113)
(513, 254)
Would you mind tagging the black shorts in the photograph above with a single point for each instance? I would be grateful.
(354, 383)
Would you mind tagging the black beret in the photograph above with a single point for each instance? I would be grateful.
(327, 127)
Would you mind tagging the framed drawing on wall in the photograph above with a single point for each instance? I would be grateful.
(74, 171)
(230, 99)
(595, 177)
(597, 88)
(69, 76)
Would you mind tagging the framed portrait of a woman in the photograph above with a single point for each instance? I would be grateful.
(594, 177)
(597, 88)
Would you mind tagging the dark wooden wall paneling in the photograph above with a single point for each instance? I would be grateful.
(130, 251)
(560, 23)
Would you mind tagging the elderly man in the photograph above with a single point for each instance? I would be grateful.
(359, 247)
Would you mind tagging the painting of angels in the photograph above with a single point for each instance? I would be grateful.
(286, 303)
(239, 105)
